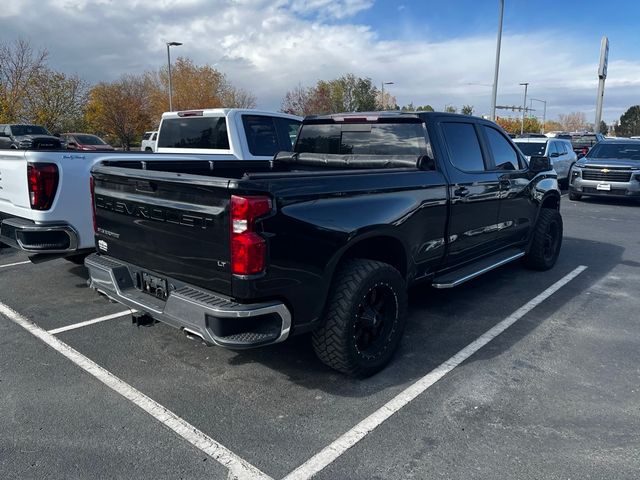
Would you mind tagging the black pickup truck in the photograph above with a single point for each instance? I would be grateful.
(325, 239)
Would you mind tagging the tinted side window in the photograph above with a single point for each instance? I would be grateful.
(287, 132)
(154, 136)
(194, 132)
(504, 155)
(146, 136)
(464, 147)
(261, 135)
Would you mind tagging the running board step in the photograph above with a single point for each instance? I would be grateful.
(475, 269)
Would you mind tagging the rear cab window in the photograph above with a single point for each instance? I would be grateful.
(401, 138)
(267, 135)
(194, 132)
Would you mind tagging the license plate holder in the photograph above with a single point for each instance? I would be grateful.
(154, 285)
(604, 186)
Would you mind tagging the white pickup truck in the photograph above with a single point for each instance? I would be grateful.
(45, 197)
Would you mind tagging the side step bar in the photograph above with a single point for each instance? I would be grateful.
(475, 269)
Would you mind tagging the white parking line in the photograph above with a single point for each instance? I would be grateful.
(55, 331)
(238, 468)
(326, 456)
(15, 264)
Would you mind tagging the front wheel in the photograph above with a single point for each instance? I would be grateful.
(574, 196)
(546, 242)
(364, 320)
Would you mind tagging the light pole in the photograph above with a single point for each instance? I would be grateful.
(544, 112)
(524, 106)
(382, 94)
(494, 93)
(169, 45)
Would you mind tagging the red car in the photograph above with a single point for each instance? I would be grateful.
(85, 141)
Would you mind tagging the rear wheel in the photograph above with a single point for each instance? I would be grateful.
(149, 150)
(547, 240)
(365, 318)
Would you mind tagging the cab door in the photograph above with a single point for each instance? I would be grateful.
(474, 192)
(517, 209)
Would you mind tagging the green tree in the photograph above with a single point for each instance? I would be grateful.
(467, 110)
(603, 129)
(424, 108)
(629, 122)
(450, 109)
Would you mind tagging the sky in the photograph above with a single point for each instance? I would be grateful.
(435, 52)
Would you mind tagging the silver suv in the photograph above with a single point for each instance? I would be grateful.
(611, 168)
(558, 150)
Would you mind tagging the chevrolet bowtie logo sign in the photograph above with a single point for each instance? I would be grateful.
(605, 170)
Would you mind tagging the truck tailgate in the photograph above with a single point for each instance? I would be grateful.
(161, 222)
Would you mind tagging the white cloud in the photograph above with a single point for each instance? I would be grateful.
(269, 47)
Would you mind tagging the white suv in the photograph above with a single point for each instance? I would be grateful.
(149, 140)
(559, 151)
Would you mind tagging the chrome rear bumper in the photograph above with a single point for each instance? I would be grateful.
(215, 318)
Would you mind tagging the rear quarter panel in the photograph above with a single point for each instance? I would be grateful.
(320, 218)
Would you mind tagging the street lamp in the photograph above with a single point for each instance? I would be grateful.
(544, 112)
(382, 95)
(170, 44)
(524, 106)
(494, 93)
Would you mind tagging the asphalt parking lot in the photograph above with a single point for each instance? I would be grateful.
(556, 395)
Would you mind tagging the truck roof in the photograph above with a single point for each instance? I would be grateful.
(217, 112)
(373, 116)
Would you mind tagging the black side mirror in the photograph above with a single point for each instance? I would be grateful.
(539, 164)
(554, 154)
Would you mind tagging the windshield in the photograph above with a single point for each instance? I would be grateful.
(583, 140)
(629, 151)
(363, 139)
(194, 132)
(532, 149)
(90, 140)
(20, 130)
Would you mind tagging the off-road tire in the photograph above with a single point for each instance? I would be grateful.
(335, 341)
(547, 241)
(575, 196)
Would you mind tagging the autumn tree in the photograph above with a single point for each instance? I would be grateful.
(344, 94)
(20, 66)
(629, 123)
(120, 109)
(552, 125)
(513, 125)
(57, 101)
(574, 121)
(193, 86)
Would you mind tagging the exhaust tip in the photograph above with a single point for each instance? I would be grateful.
(192, 334)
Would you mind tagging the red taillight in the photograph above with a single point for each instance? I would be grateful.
(248, 249)
(92, 188)
(42, 179)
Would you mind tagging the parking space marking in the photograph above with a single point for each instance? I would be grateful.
(15, 264)
(332, 452)
(239, 468)
(55, 331)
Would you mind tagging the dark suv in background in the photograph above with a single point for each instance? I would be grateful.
(33, 137)
(582, 142)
